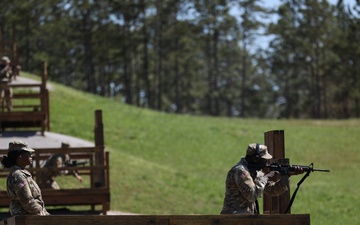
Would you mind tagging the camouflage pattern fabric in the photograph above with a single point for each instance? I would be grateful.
(5, 73)
(25, 195)
(244, 188)
(54, 162)
(5, 90)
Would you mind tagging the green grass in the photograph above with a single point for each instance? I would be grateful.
(176, 164)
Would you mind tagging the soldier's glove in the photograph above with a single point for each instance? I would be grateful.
(273, 175)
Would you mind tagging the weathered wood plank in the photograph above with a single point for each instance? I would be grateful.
(28, 95)
(275, 142)
(76, 196)
(301, 219)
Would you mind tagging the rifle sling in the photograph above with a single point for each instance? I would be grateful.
(257, 207)
(297, 188)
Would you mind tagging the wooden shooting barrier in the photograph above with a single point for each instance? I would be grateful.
(96, 168)
(30, 106)
(161, 220)
(274, 140)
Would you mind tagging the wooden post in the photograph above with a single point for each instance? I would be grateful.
(99, 176)
(99, 129)
(275, 142)
(45, 102)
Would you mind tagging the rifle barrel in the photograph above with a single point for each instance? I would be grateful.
(321, 170)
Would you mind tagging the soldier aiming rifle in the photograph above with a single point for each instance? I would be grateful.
(252, 176)
(53, 163)
(286, 170)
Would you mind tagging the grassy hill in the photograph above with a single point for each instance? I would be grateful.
(176, 164)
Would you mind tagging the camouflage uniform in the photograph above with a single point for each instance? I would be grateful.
(54, 162)
(25, 195)
(244, 188)
(5, 78)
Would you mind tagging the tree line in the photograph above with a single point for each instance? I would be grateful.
(202, 57)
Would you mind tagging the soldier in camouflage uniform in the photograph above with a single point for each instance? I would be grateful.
(6, 92)
(53, 163)
(244, 186)
(25, 195)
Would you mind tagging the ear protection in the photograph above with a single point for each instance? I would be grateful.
(257, 157)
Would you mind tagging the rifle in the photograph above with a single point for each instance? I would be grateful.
(75, 163)
(285, 169)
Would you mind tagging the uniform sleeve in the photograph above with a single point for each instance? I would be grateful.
(275, 188)
(5, 72)
(27, 200)
(250, 189)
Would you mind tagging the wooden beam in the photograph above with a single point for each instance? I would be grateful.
(99, 177)
(301, 219)
(99, 129)
(275, 142)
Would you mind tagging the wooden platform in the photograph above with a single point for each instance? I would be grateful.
(96, 167)
(30, 108)
(301, 219)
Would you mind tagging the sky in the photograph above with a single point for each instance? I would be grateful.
(277, 2)
(263, 42)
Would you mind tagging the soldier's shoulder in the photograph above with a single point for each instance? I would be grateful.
(240, 167)
(240, 170)
(18, 174)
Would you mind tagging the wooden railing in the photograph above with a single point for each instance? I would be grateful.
(98, 192)
(301, 219)
(30, 107)
(96, 168)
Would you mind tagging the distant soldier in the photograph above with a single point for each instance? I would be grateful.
(53, 163)
(6, 73)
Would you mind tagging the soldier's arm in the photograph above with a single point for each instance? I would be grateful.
(27, 200)
(277, 185)
(6, 70)
(251, 189)
(77, 176)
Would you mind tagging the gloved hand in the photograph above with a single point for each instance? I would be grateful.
(273, 175)
(297, 170)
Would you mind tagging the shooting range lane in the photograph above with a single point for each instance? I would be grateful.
(36, 140)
